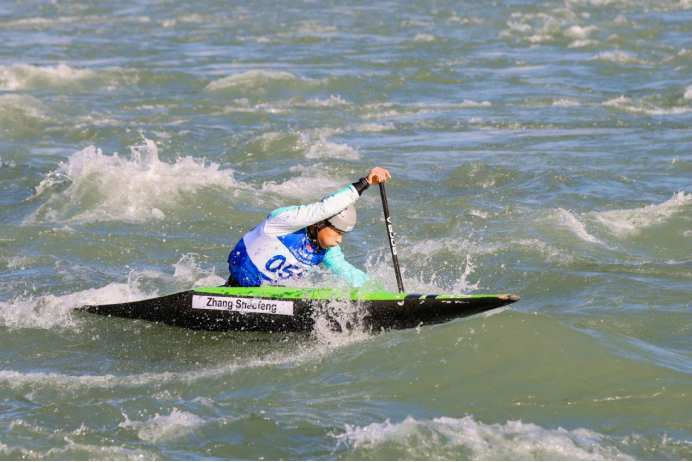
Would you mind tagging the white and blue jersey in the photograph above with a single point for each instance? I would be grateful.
(279, 249)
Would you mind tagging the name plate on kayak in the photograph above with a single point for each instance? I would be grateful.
(244, 305)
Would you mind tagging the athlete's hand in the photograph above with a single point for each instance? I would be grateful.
(378, 175)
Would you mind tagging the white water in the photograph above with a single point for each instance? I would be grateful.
(632, 221)
(441, 437)
(118, 188)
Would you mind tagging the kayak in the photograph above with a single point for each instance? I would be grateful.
(292, 309)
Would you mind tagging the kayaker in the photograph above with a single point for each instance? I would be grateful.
(294, 239)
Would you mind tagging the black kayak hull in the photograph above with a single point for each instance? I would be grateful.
(296, 310)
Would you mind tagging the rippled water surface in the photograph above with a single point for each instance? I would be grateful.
(538, 147)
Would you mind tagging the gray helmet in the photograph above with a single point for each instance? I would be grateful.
(345, 220)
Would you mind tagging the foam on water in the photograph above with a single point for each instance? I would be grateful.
(619, 57)
(324, 342)
(374, 128)
(645, 106)
(332, 101)
(564, 102)
(19, 379)
(57, 311)
(26, 76)
(68, 451)
(134, 189)
(53, 311)
(446, 437)
(556, 25)
(632, 221)
(39, 21)
(579, 32)
(582, 43)
(424, 38)
(568, 220)
(189, 273)
(242, 104)
(397, 110)
(427, 252)
(164, 427)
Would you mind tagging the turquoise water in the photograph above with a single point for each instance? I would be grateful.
(537, 147)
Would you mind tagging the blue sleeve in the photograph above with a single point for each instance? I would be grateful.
(335, 261)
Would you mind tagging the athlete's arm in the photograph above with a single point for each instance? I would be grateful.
(335, 261)
(293, 218)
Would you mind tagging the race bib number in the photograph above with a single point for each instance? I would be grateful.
(244, 305)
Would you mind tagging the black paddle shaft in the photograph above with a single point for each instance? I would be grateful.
(390, 233)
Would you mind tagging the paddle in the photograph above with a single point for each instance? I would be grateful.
(390, 232)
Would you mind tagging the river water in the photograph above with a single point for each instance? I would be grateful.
(537, 147)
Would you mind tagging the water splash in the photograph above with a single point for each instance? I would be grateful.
(164, 427)
(114, 188)
(57, 311)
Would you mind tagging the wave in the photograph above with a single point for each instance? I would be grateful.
(399, 110)
(39, 21)
(332, 101)
(373, 128)
(260, 83)
(452, 438)
(424, 38)
(164, 427)
(313, 144)
(565, 102)
(310, 182)
(324, 149)
(568, 220)
(11, 164)
(110, 188)
(73, 450)
(427, 251)
(55, 380)
(622, 223)
(620, 57)
(557, 26)
(632, 221)
(27, 105)
(26, 76)
(649, 106)
(22, 112)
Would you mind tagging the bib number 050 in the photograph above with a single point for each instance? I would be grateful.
(277, 264)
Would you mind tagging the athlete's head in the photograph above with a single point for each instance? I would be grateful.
(328, 236)
(331, 232)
